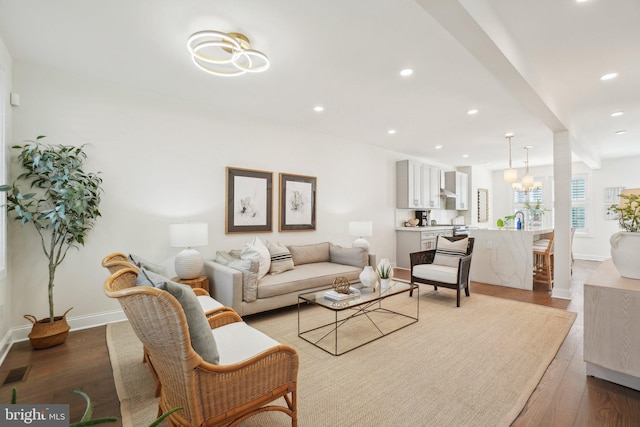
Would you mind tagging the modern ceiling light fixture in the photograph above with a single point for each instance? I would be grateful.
(225, 54)
(609, 76)
(511, 174)
(528, 182)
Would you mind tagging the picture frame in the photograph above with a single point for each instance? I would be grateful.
(249, 201)
(297, 205)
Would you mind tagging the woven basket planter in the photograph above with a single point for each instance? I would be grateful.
(45, 334)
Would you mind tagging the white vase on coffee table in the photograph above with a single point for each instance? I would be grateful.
(368, 277)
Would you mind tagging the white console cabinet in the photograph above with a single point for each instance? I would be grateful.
(612, 326)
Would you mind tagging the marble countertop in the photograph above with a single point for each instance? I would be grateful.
(504, 229)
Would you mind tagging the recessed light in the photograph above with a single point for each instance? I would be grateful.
(391, 131)
(617, 113)
(472, 112)
(464, 156)
(581, 1)
(318, 108)
(406, 72)
(437, 147)
(621, 132)
(609, 76)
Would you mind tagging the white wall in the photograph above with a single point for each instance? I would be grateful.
(163, 161)
(5, 87)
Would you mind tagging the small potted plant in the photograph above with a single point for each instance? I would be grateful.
(62, 204)
(625, 245)
(384, 272)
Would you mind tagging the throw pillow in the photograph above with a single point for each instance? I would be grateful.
(281, 259)
(448, 253)
(308, 254)
(248, 268)
(357, 257)
(200, 334)
(258, 251)
(150, 266)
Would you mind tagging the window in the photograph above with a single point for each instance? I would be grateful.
(579, 205)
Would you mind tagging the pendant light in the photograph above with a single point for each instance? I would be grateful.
(511, 174)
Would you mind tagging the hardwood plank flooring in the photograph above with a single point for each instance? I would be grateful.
(565, 396)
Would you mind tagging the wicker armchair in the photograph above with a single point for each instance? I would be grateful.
(448, 277)
(211, 395)
(117, 261)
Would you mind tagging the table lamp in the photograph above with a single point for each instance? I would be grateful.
(361, 229)
(189, 262)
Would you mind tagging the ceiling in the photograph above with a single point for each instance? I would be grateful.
(528, 67)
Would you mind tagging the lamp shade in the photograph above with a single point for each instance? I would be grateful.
(511, 175)
(188, 235)
(527, 181)
(360, 228)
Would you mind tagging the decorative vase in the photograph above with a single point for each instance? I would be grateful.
(384, 284)
(625, 246)
(368, 277)
(45, 334)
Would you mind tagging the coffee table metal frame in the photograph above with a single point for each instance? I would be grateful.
(368, 302)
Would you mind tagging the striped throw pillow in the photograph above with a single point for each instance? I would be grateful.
(448, 253)
(281, 259)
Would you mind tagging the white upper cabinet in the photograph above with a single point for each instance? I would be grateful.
(409, 184)
(432, 195)
(458, 183)
(417, 185)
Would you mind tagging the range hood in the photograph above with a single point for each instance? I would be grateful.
(446, 194)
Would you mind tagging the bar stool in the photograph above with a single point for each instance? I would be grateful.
(543, 262)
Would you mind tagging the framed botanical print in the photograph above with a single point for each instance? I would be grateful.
(249, 201)
(297, 202)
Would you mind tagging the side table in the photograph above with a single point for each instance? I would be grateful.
(198, 282)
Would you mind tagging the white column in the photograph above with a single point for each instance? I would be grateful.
(562, 208)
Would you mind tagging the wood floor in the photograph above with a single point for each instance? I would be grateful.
(564, 397)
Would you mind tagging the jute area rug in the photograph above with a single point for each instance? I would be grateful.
(475, 365)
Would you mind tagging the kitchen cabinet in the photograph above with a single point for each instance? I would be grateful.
(410, 240)
(417, 185)
(432, 196)
(458, 183)
(409, 183)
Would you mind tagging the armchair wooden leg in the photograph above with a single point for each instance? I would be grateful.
(466, 290)
(458, 297)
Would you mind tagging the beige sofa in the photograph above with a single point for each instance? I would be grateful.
(314, 268)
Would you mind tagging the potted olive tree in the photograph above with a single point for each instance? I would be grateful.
(625, 245)
(61, 203)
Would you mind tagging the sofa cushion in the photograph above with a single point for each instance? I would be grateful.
(281, 259)
(357, 257)
(305, 277)
(238, 341)
(308, 254)
(202, 340)
(449, 253)
(150, 266)
(248, 268)
(258, 251)
(436, 272)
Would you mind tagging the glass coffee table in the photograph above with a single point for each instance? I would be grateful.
(338, 327)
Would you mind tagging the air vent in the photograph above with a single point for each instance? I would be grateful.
(17, 375)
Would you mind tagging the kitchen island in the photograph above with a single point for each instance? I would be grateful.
(505, 256)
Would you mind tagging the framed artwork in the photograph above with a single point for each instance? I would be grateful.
(249, 201)
(297, 202)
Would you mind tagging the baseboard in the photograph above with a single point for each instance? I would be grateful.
(5, 346)
(21, 333)
(561, 293)
(613, 376)
(590, 257)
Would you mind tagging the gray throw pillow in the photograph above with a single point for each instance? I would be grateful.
(202, 339)
(150, 266)
(357, 257)
(249, 269)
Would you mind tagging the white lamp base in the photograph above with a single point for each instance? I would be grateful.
(361, 243)
(189, 264)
